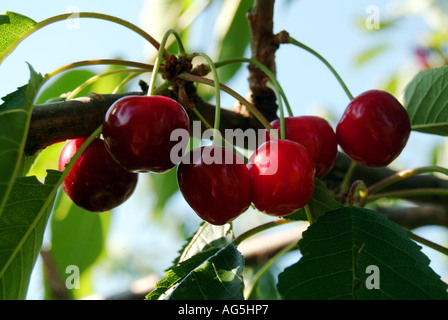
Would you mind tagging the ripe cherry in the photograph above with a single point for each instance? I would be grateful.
(282, 173)
(374, 129)
(215, 182)
(316, 135)
(137, 132)
(96, 182)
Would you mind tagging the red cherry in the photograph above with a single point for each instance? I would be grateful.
(374, 129)
(96, 182)
(137, 132)
(283, 174)
(216, 184)
(316, 135)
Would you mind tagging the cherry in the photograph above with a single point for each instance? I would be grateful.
(215, 182)
(137, 132)
(316, 135)
(373, 129)
(282, 173)
(96, 182)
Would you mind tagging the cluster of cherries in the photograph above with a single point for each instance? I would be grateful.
(277, 179)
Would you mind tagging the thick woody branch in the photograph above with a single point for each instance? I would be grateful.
(263, 47)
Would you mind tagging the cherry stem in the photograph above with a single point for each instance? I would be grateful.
(209, 126)
(268, 265)
(305, 47)
(237, 241)
(99, 76)
(160, 57)
(265, 69)
(95, 15)
(428, 243)
(347, 177)
(216, 133)
(270, 85)
(247, 104)
(95, 62)
(309, 214)
(409, 193)
(401, 175)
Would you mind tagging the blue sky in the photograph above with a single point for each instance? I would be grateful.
(328, 26)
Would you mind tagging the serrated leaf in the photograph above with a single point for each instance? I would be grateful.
(337, 251)
(426, 101)
(13, 28)
(22, 226)
(218, 277)
(207, 237)
(320, 203)
(15, 116)
(207, 241)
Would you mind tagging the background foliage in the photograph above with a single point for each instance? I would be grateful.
(156, 216)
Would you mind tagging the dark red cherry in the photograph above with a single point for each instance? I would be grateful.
(374, 129)
(137, 132)
(216, 184)
(282, 173)
(96, 182)
(316, 135)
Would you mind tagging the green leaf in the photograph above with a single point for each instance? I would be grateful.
(65, 83)
(13, 27)
(370, 53)
(234, 35)
(207, 237)
(426, 101)
(15, 115)
(205, 243)
(77, 238)
(320, 203)
(22, 226)
(341, 247)
(215, 274)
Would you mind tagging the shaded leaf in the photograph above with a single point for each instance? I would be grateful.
(342, 244)
(214, 274)
(15, 115)
(320, 203)
(426, 101)
(22, 226)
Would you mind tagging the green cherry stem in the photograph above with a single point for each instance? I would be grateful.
(403, 175)
(99, 76)
(161, 55)
(211, 65)
(268, 265)
(95, 62)
(265, 70)
(270, 85)
(428, 243)
(94, 15)
(237, 241)
(317, 55)
(409, 193)
(247, 104)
